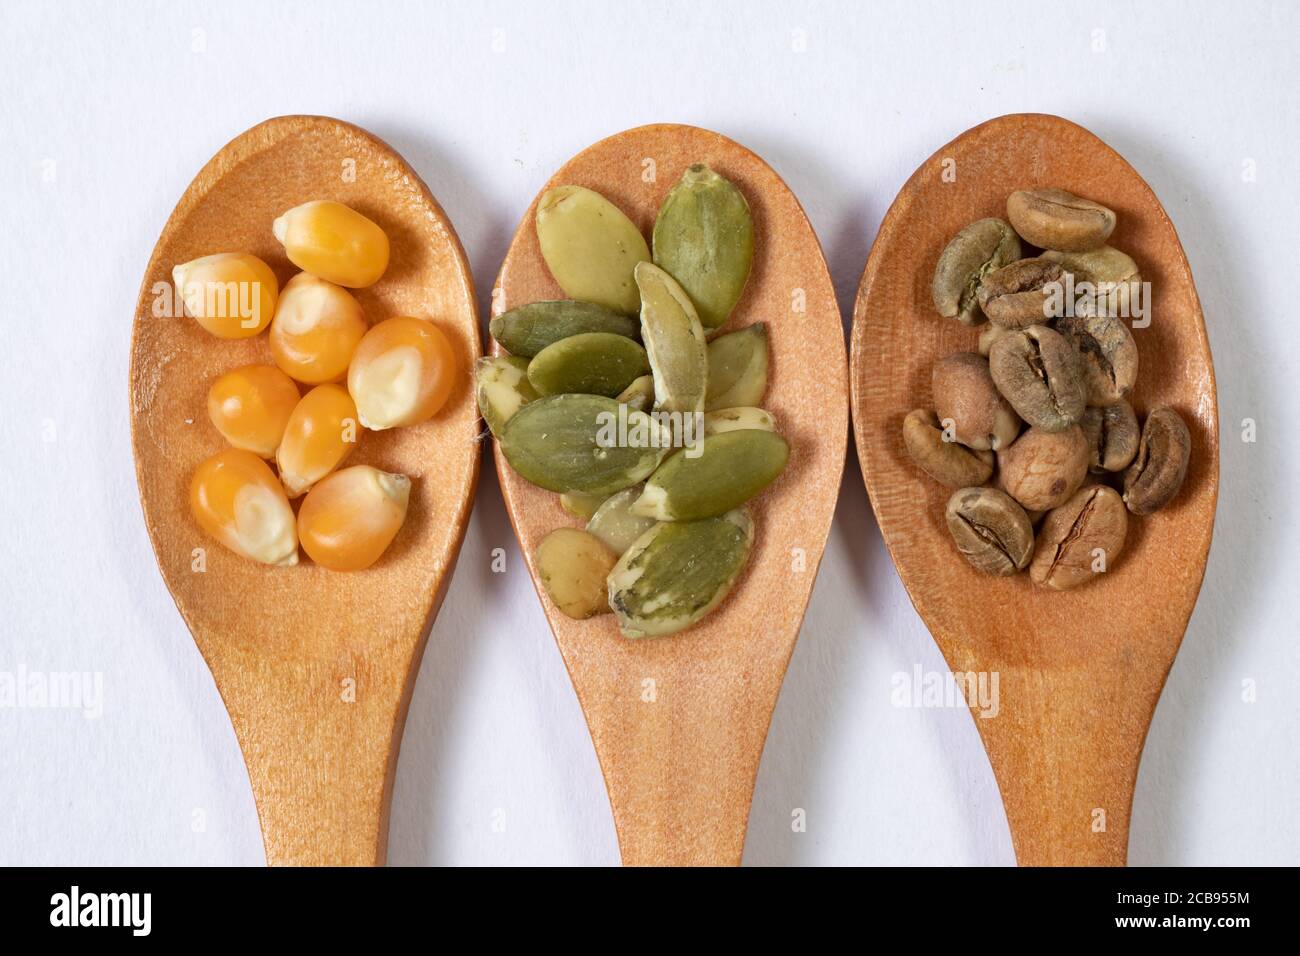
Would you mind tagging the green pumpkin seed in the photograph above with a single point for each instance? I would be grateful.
(677, 572)
(502, 388)
(591, 247)
(580, 505)
(592, 363)
(737, 368)
(530, 328)
(738, 419)
(640, 394)
(726, 471)
(573, 567)
(583, 443)
(674, 341)
(616, 526)
(704, 238)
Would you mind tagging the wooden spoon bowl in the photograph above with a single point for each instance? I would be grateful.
(679, 722)
(315, 667)
(1079, 671)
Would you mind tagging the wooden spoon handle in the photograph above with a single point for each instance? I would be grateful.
(670, 814)
(1066, 756)
(1076, 816)
(320, 743)
(680, 770)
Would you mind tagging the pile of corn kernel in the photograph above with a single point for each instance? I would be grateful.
(398, 372)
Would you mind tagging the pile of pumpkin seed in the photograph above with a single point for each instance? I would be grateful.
(666, 533)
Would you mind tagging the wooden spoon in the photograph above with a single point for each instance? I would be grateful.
(679, 722)
(1079, 671)
(316, 668)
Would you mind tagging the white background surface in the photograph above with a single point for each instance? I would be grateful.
(106, 114)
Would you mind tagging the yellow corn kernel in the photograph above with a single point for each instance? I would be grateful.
(231, 294)
(401, 373)
(250, 407)
(349, 519)
(321, 432)
(333, 242)
(316, 329)
(235, 498)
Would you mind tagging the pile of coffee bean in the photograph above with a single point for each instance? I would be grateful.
(1058, 357)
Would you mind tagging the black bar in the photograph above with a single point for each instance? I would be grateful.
(329, 905)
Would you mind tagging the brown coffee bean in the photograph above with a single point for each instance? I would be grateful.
(1080, 539)
(965, 396)
(982, 247)
(990, 335)
(1037, 371)
(991, 531)
(1022, 293)
(1056, 219)
(1108, 356)
(947, 462)
(1102, 266)
(1112, 436)
(1157, 472)
(1042, 469)
(1104, 278)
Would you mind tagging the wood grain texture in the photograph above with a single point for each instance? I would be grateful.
(1079, 671)
(680, 768)
(285, 644)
